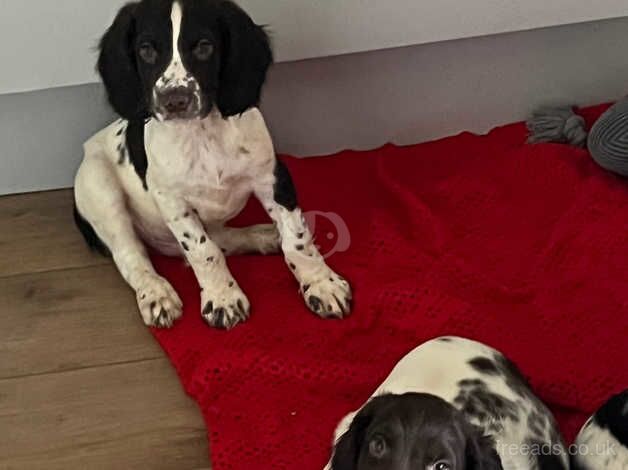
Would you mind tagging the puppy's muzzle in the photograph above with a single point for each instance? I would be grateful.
(177, 103)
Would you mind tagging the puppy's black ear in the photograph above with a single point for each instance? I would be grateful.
(347, 449)
(245, 57)
(480, 452)
(117, 66)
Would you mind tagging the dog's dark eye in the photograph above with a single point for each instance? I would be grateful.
(378, 447)
(148, 53)
(203, 49)
(442, 466)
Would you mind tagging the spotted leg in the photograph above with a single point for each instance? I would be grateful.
(101, 208)
(223, 303)
(326, 293)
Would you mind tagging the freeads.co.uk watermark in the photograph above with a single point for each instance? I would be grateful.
(334, 231)
(535, 450)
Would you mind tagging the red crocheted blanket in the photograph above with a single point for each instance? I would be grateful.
(522, 247)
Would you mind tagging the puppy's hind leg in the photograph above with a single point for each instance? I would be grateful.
(101, 205)
(263, 239)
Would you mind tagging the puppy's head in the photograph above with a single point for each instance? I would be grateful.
(413, 432)
(177, 59)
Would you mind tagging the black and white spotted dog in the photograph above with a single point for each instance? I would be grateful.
(451, 404)
(602, 443)
(190, 149)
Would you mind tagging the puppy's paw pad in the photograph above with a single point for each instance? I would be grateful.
(225, 309)
(159, 304)
(328, 298)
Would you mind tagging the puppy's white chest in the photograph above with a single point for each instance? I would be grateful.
(205, 164)
(201, 167)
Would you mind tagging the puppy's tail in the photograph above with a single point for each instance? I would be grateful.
(560, 125)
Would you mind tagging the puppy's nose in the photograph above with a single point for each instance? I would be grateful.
(176, 100)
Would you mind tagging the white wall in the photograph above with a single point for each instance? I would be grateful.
(49, 43)
(404, 95)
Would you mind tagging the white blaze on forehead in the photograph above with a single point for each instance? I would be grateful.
(175, 17)
(175, 74)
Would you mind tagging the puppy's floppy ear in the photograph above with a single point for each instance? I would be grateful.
(480, 451)
(117, 66)
(347, 449)
(245, 57)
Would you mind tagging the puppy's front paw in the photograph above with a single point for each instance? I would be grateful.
(226, 307)
(329, 297)
(159, 303)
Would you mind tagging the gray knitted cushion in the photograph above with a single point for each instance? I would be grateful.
(608, 139)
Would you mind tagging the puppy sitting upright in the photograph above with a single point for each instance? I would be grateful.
(190, 149)
(451, 404)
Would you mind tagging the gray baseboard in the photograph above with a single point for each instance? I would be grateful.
(42, 133)
(357, 101)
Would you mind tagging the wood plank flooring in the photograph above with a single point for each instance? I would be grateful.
(83, 385)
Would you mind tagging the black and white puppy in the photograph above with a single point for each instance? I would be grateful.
(602, 443)
(189, 151)
(451, 404)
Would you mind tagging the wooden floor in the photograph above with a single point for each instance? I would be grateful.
(82, 382)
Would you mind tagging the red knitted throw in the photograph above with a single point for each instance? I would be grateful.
(522, 247)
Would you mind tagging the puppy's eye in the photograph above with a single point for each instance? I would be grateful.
(441, 466)
(148, 53)
(203, 49)
(378, 447)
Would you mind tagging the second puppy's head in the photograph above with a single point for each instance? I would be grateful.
(413, 432)
(177, 59)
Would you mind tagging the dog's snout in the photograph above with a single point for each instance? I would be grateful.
(177, 100)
